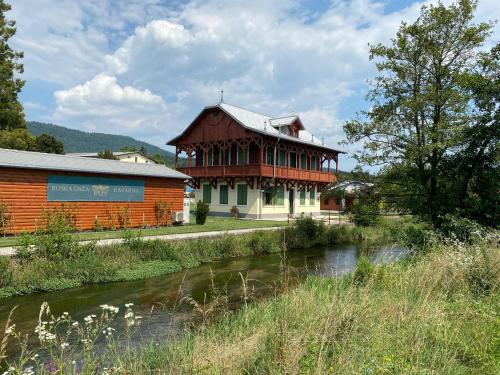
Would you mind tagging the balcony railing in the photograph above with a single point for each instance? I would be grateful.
(260, 170)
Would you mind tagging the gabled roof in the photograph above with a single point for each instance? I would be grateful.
(116, 153)
(38, 160)
(262, 124)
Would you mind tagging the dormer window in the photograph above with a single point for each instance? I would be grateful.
(284, 130)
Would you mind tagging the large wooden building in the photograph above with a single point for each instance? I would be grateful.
(265, 167)
(93, 190)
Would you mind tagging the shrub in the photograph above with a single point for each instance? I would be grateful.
(460, 228)
(235, 212)
(123, 217)
(265, 242)
(161, 212)
(365, 211)
(25, 247)
(337, 234)
(414, 236)
(97, 225)
(364, 270)
(305, 232)
(201, 212)
(133, 240)
(5, 218)
(5, 272)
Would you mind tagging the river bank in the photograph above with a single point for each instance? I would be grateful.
(434, 313)
(60, 262)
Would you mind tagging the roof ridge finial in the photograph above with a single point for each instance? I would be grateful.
(222, 96)
(265, 125)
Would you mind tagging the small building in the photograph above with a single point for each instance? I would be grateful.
(94, 190)
(127, 156)
(267, 167)
(344, 194)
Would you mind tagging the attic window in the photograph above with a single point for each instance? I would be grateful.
(284, 130)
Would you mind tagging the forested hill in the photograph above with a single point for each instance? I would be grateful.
(79, 141)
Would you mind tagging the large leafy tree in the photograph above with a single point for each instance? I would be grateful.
(421, 112)
(11, 111)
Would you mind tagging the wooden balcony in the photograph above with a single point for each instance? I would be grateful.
(259, 170)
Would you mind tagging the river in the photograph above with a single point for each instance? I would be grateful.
(157, 299)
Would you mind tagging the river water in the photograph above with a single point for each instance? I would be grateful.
(157, 299)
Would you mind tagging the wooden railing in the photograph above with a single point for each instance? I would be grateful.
(262, 170)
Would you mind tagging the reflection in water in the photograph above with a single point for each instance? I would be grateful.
(157, 299)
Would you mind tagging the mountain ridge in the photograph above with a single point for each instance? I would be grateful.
(80, 141)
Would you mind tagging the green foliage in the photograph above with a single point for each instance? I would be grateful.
(235, 211)
(265, 242)
(460, 228)
(201, 212)
(17, 139)
(422, 118)
(5, 218)
(78, 141)
(304, 232)
(364, 270)
(366, 211)
(414, 236)
(161, 210)
(106, 154)
(5, 272)
(98, 225)
(48, 144)
(11, 111)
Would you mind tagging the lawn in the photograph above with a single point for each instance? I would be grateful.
(213, 224)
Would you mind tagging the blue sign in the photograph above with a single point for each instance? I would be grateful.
(79, 188)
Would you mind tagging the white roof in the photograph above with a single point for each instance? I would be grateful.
(38, 160)
(265, 124)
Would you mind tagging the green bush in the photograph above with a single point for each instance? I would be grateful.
(305, 232)
(460, 228)
(5, 272)
(364, 270)
(337, 234)
(414, 236)
(365, 211)
(265, 242)
(201, 212)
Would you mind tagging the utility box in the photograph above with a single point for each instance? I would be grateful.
(186, 210)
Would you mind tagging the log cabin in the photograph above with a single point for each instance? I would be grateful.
(255, 165)
(92, 190)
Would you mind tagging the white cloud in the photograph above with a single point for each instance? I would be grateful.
(114, 59)
(101, 104)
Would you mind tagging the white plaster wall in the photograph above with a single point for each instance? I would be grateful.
(255, 207)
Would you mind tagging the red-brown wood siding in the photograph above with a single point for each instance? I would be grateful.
(25, 193)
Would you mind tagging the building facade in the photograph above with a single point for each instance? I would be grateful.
(102, 191)
(127, 156)
(265, 167)
(343, 195)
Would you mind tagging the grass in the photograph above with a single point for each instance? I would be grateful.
(434, 314)
(213, 224)
(59, 261)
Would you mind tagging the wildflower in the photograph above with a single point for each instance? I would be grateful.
(10, 329)
(127, 305)
(75, 324)
(28, 371)
(35, 356)
(64, 345)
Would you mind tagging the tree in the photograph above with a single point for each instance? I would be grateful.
(420, 113)
(49, 144)
(11, 111)
(17, 139)
(106, 154)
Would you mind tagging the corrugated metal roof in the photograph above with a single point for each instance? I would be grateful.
(265, 125)
(38, 160)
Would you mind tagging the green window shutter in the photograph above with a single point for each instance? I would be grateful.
(242, 156)
(241, 198)
(280, 196)
(210, 157)
(312, 197)
(223, 194)
(293, 160)
(303, 197)
(313, 163)
(207, 193)
(303, 161)
(282, 158)
(269, 155)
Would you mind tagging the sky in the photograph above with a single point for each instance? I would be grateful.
(147, 68)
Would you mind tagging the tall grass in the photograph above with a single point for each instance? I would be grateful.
(435, 313)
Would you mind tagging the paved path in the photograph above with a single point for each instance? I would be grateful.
(9, 251)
